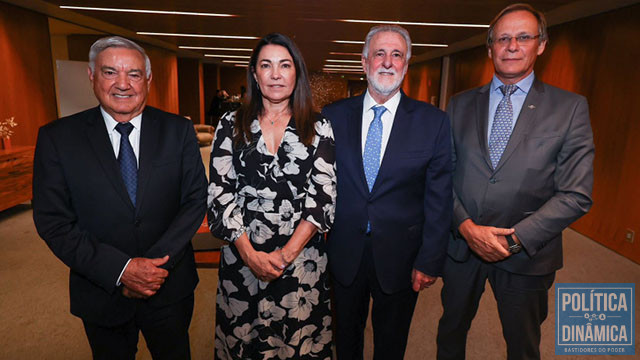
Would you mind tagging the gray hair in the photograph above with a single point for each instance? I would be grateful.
(117, 42)
(384, 28)
(542, 22)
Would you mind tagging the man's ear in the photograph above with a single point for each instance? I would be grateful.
(90, 73)
(541, 46)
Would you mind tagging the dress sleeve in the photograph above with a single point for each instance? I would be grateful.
(224, 215)
(320, 200)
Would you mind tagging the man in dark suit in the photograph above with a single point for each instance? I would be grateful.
(523, 154)
(120, 210)
(393, 158)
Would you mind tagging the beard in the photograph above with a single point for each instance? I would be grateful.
(382, 89)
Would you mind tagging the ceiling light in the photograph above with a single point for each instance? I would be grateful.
(199, 35)
(343, 66)
(343, 61)
(342, 69)
(228, 56)
(213, 48)
(413, 23)
(345, 53)
(163, 12)
(236, 62)
(241, 65)
(412, 45)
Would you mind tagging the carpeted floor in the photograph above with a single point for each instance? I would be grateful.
(36, 324)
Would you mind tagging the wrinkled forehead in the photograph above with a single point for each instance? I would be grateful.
(388, 41)
(121, 57)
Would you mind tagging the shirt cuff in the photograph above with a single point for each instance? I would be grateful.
(118, 283)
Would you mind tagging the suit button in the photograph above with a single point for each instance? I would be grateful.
(492, 181)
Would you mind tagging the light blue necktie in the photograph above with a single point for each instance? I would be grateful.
(127, 160)
(371, 156)
(502, 125)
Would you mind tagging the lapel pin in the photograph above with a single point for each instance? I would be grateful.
(532, 106)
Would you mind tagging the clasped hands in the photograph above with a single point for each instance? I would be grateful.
(143, 277)
(267, 266)
(488, 242)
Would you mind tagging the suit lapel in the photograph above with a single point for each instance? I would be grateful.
(99, 139)
(482, 121)
(525, 120)
(354, 136)
(149, 139)
(399, 131)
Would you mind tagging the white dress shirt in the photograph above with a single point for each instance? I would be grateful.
(114, 137)
(387, 119)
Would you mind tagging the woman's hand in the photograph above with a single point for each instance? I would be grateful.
(265, 266)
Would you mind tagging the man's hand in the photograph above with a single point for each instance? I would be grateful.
(488, 242)
(144, 276)
(421, 280)
(126, 292)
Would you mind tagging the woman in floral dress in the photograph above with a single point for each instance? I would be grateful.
(271, 196)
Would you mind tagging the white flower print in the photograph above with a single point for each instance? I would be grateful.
(315, 344)
(251, 281)
(325, 177)
(262, 198)
(323, 129)
(309, 265)
(223, 343)
(227, 255)
(300, 334)
(260, 232)
(268, 311)
(245, 333)
(280, 349)
(300, 303)
(214, 192)
(231, 307)
(224, 164)
(286, 218)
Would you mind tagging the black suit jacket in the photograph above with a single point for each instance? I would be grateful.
(542, 183)
(409, 206)
(82, 210)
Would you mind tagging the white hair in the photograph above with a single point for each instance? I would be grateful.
(384, 28)
(117, 42)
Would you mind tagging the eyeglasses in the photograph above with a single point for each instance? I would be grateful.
(523, 39)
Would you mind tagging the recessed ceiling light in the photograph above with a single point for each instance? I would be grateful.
(163, 12)
(213, 48)
(241, 65)
(343, 61)
(345, 53)
(235, 62)
(411, 23)
(199, 35)
(340, 69)
(228, 56)
(413, 44)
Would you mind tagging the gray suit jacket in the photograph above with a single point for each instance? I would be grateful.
(544, 179)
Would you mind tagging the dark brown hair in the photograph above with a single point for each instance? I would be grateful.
(300, 103)
(542, 22)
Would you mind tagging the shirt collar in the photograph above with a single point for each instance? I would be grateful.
(524, 85)
(111, 123)
(391, 104)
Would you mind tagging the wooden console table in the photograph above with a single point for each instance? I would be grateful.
(16, 174)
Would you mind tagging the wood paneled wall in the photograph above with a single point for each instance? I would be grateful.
(28, 92)
(210, 83)
(326, 88)
(596, 57)
(231, 78)
(164, 66)
(422, 81)
(190, 89)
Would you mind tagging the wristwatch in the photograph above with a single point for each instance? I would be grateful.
(513, 247)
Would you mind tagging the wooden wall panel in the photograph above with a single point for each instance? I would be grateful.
(28, 93)
(210, 83)
(326, 88)
(422, 81)
(597, 57)
(231, 78)
(190, 89)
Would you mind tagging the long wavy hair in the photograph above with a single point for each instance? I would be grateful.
(300, 102)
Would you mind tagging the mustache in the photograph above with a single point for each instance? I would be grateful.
(381, 71)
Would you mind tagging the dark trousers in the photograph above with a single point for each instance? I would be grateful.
(522, 307)
(390, 315)
(164, 329)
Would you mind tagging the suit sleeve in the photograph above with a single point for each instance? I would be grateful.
(225, 217)
(57, 223)
(437, 204)
(193, 195)
(573, 183)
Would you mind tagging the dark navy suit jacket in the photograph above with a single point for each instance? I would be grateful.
(410, 205)
(82, 210)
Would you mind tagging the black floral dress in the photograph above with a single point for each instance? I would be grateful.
(266, 196)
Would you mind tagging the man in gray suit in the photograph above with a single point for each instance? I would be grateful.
(523, 153)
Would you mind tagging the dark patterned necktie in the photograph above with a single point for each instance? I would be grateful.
(502, 125)
(127, 160)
